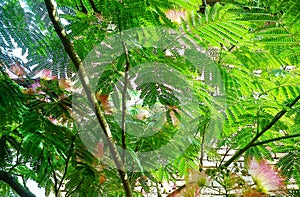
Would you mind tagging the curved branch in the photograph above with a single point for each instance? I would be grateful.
(266, 128)
(15, 185)
(275, 139)
(69, 48)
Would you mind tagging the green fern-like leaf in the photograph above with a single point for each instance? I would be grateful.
(218, 26)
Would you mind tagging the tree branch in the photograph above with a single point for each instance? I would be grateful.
(266, 128)
(56, 190)
(15, 185)
(67, 161)
(69, 48)
(275, 139)
(126, 70)
(202, 145)
(226, 152)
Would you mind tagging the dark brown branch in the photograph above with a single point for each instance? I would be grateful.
(15, 185)
(124, 102)
(227, 151)
(276, 139)
(69, 48)
(202, 145)
(83, 8)
(266, 128)
(94, 7)
(231, 48)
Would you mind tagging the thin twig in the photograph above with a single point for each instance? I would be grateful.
(126, 70)
(202, 145)
(227, 151)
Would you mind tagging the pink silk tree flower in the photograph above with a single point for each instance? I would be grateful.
(176, 15)
(35, 86)
(65, 84)
(53, 120)
(46, 74)
(265, 177)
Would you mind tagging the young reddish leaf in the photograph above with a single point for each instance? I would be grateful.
(102, 179)
(254, 193)
(173, 110)
(65, 84)
(18, 70)
(104, 103)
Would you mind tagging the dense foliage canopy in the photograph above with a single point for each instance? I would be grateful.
(237, 65)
